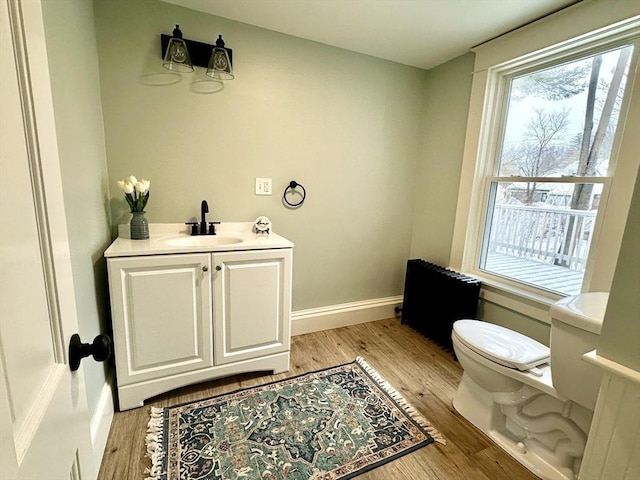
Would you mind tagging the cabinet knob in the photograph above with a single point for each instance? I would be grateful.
(205, 269)
(218, 268)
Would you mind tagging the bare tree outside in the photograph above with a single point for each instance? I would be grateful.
(542, 151)
(592, 141)
(560, 123)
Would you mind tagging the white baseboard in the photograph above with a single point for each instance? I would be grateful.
(342, 315)
(101, 421)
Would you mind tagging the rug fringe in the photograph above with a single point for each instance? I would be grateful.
(393, 393)
(154, 439)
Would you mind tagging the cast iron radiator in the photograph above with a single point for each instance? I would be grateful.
(434, 297)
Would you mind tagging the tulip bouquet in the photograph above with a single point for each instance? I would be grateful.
(135, 191)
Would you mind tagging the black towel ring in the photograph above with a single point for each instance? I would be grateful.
(292, 186)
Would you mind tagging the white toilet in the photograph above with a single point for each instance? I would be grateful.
(507, 389)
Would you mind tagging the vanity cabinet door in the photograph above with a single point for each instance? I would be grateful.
(252, 304)
(161, 308)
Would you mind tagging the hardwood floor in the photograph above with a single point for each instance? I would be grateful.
(426, 376)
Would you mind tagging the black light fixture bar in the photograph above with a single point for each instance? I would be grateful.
(199, 52)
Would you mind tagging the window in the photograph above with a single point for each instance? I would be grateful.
(550, 158)
(555, 127)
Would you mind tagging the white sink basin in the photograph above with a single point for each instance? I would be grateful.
(200, 241)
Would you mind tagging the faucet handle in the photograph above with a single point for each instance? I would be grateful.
(194, 227)
(212, 227)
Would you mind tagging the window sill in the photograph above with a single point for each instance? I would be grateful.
(530, 303)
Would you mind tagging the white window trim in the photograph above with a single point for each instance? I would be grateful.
(579, 29)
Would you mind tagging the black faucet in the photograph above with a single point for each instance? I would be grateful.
(200, 228)
(204, 209)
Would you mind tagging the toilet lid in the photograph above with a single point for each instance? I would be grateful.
(501, 345)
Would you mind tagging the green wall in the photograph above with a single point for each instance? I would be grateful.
(620, 337)
(447, 92)
(73, 65)
(348, 127)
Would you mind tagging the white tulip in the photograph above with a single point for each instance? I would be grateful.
(128, 187)
(120, 184)
(141, 187)
(131, 179)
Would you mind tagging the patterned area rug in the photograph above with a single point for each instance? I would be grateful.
(331, 424)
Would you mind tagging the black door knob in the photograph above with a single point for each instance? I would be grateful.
(100, 349)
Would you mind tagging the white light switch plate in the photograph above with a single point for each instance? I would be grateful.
(263, 186)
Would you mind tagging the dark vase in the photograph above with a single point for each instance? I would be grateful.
(139, 226)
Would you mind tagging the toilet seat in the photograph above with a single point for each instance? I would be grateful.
(501, 345)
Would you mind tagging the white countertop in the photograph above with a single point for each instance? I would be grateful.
(161, 233)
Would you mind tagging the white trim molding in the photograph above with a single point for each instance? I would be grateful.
(342, 315)
(537, 308)
(613, 446)
(101, 420)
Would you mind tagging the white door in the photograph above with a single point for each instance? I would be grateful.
(44, 429)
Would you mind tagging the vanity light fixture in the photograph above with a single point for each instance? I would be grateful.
(176, 54)
(220, 63)
(182, 55)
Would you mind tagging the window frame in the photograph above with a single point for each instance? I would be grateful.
(488, 109)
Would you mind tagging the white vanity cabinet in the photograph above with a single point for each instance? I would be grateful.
(162, 320)
(251, 297)
(181, 318)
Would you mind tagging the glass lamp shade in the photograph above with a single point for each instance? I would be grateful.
(177, 56)
(219, 63)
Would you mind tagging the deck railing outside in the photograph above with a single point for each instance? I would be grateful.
(540, 233)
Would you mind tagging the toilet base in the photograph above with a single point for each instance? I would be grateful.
(479, 407)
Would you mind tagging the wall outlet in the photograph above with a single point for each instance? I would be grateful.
(263, 186)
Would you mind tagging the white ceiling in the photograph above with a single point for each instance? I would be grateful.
(420, 33)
